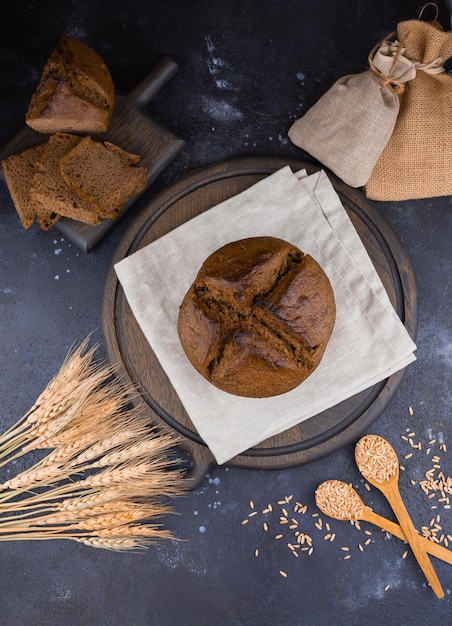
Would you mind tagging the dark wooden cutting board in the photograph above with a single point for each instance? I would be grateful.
(133, 130)
(127, 346)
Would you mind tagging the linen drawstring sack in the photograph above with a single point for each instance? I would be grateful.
(347, 129)
(417, 160)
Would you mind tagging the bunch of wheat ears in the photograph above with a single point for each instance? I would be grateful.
(107, 474)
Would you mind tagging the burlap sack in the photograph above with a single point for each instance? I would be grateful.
(347, 129)
(417, 160)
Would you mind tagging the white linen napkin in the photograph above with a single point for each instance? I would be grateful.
(368, 343)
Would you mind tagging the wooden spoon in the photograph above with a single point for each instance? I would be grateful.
(340, 501)
(378, 463)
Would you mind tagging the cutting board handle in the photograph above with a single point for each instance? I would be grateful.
(157, 78)
(202, 462)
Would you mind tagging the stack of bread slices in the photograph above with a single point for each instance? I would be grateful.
(70, 174)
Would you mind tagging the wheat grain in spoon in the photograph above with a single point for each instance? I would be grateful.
(340, 501)
(378, 463)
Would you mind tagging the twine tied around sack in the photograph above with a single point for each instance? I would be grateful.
(389, 81)
(433, 67)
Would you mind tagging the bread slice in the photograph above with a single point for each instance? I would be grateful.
(103, 175)
(48, 189)
(19, 169)
(75, 93)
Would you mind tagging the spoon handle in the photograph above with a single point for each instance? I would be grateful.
(392, 494)
(435, 549)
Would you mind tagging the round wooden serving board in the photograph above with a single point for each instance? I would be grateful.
(127, 346)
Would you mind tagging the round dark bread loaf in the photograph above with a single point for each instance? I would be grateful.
(257, 318)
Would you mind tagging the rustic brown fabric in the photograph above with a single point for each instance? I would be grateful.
(417, 160)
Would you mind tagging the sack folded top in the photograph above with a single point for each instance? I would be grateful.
(417, 160)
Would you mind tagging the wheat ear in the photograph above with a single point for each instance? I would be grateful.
(88, 420)
(116, 544)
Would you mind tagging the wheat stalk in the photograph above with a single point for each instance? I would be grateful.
(111, 520)
(78, 388)
(77, 366)
(106, 515)
(116, 544)
(50, 390)
(142, 449)
(115, 440)
(99, 498)
(115, 506)
(149, 530)
(37, 477)
(88, 420)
